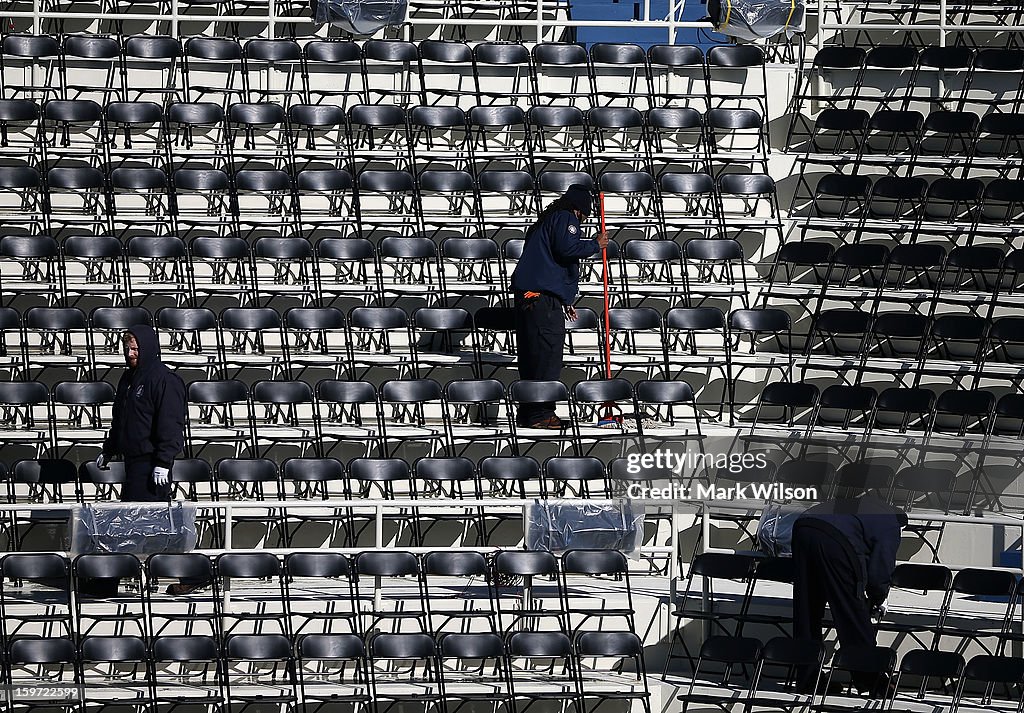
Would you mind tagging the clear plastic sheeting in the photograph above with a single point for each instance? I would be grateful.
(360, 17)
(135, 528)
(556, 525)
(752, 20)
(775, 529)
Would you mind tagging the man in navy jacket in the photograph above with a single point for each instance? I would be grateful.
(148, 425)
(545, 284)
(844, 552)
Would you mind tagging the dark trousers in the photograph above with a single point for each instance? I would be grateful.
(825, 574)
(139, 486)
(540, 337)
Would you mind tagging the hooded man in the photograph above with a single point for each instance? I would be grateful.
(844, 552)
(545, 284)
(148, 425)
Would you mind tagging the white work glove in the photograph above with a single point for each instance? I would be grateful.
(101, 461)
(161, 476)
(878, 612)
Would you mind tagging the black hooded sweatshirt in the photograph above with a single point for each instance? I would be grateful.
(149, 407)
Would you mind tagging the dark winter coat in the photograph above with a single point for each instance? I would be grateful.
(871, 529)
(550, 262)
(149, 407)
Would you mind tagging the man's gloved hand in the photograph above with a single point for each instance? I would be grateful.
(878, 610)
(101, 461)
(161, 476)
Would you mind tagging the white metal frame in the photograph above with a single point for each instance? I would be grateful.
(544, 24)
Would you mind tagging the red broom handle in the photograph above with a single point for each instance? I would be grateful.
(607, 331)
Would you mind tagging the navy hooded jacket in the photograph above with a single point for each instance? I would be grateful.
(149, 407)
(551, 257)
(872, 528)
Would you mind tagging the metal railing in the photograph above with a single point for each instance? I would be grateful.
(548, 21)
(942, 23)
(700, 511)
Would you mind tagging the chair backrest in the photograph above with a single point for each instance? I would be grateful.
(387, 564)
(317, 564)
(248, 565)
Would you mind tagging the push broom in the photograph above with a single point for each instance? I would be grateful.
(610, 419)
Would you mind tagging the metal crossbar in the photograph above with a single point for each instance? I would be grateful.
(549, 21)
(942, 8)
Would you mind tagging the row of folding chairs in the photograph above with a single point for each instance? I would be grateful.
(974, 345)
(955, 337)
(898, 202)
(736, 607)
(422, 72)
(64, 338)
(742, 669)
(986, 76)
(928, 11)
(899, 334)
(957, 410)
(126, 131)
(825, 471)
(813, 269)
(643, 338)
(375, 590)
(805, 271)
(948, 486)
(84, 197)
(191, 127)
(400, 412)
(254, 336)
(876, 138)
(385, 671)
(930, 605)
(453, 267)
(326, 335)
(310, 478)
(101, 266)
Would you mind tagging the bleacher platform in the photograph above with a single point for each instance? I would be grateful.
(815, 256)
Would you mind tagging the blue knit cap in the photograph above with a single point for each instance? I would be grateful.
(580, 198)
